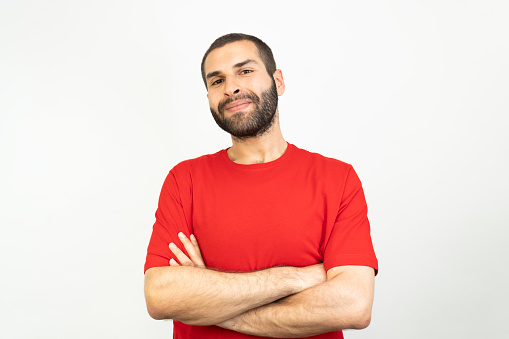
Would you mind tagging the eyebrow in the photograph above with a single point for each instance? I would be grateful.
(213, 74)
(243, 63)
(238, 65)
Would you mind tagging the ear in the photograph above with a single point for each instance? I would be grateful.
(280, 82)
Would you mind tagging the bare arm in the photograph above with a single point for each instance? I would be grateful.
(196, 295)
(343, 302)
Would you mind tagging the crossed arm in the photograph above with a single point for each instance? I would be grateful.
(276, 302)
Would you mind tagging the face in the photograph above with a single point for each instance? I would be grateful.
(243, 97)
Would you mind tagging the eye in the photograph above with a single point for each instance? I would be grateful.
(246, 71)
(217, 82)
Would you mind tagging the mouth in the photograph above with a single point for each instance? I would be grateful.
(237, 105)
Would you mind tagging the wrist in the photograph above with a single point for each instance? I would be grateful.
(312, 275)
(286, 280)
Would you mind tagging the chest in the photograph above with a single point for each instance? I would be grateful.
(251, 225)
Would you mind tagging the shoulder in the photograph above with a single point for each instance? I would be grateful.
(181, 176)
(190, 166)
(321, 161)
(330, 170)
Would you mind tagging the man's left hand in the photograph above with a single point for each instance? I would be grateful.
(193, 256)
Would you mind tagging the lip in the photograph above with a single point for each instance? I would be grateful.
(237, 105)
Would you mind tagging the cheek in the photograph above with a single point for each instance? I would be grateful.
(213, 101)
(262, 86)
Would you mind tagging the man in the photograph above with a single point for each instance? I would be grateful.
(284, 240)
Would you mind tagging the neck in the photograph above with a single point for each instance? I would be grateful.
(264, 148)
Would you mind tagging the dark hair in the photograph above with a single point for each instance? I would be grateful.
(263, 49)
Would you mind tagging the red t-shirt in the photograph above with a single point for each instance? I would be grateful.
(298, 210)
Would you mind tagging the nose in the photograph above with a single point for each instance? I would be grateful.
(231, 87)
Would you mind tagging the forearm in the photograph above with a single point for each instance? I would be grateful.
(334, 305)
(200, 296)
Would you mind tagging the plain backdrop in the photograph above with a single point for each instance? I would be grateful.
(100, 99)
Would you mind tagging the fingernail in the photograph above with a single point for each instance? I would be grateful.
(172, 261)
(181, 235)
(192, 237)
(172, 245)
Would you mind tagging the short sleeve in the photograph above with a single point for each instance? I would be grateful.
(350, 240)
(171, 218)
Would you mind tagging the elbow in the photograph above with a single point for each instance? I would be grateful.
(154, 307)
(361, 322)
(163, 305)
(159, 306)
(164, 312)
(155, 313)
(361, 315)
(159, 309)
(354, 321)
(356, 317)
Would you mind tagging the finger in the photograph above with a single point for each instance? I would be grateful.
(184, 260)
(173, 262)
(194, 241)
(195, 244)
(194, 255)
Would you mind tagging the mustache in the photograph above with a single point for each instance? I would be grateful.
(249, 96)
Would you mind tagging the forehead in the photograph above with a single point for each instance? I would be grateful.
(226, 57)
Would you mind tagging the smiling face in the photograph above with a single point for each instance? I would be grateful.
(242, 96)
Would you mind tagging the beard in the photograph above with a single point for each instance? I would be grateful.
(246, 125)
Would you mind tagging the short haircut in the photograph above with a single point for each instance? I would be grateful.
(263, 50)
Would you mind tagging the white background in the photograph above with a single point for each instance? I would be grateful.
(99, 99)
